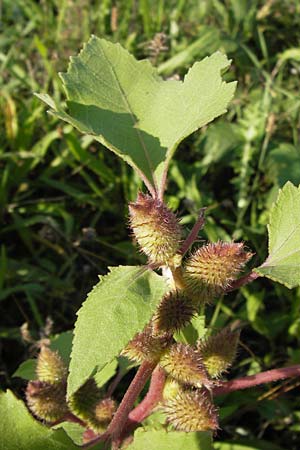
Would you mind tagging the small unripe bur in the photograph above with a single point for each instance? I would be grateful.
(212, 268)
(156, 230)
(50, 366)
(219, 351)
(185, 365)
(101, 415)
(83, 402)
(47, 401)
(173, 313)
(191, 410)
(146, 346)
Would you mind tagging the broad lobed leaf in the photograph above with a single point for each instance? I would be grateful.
(283, 262)
(127, 107)
(116, 309)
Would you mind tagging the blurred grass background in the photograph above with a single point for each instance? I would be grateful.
(63, 198)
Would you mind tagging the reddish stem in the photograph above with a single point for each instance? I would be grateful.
(153, 397)
(253, 380)
(120, 418)
(194, 232)
(69, 417)
(242, 281)
(145, 408)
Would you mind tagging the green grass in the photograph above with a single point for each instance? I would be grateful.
(62, 222)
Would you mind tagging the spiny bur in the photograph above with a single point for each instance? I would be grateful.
(156, 229)
(219, 351)
(212, 268)
(191, 410)
(103, 414)
(174, 312)
(47, 401)
(50, 366)
(146, 346)
(185, 365)
(83, 402)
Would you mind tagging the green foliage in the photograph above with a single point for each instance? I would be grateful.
(154, 439)
(283, 262)
(123, 301)
(59, 191)
(153, 115)
(19, 430)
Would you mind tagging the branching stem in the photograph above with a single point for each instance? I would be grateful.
(194, 232)
(153, 397)
(254, 380)
(120, 418)
(242, 281)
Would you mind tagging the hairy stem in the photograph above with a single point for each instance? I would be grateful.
(120, 418)
(242, 281)
(194, 232)
(145, 408)
(153, 397)
(253, 380)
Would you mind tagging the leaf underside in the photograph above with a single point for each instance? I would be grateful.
(116, 309)
(131, 110)
(283, 262)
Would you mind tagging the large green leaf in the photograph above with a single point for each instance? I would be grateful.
(127, 107)
(172, 440)
(283, 262)
(20, 431)
(118, 306)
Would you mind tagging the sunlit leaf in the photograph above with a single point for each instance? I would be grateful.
(283, 262)
(127, 107)
(117, 307)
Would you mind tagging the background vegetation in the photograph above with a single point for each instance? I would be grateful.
(63, 198)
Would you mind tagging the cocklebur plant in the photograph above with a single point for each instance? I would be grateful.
(135, 315)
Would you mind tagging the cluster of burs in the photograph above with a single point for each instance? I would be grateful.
(192, 370)
(196, 280)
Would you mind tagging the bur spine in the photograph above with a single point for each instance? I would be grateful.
(190, 411)
(174, 312)
(218, 351)
(185, 365)
(50, 366)
(147, 346)
(47, 401)
(210, 270)
(156, 229)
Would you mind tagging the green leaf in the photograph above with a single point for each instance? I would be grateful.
(117, 307)
(284, 164)
(244, 444)
(19, 430)
(127, 107)
(172, 440)
(283, 262)
(26, 370)
(193, 331)
(106, 373)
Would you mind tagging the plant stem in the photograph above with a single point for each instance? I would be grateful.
(242, 281)
(253, 380)
(120, 418)
(145, 408)
(153, 397)
(194, 232)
